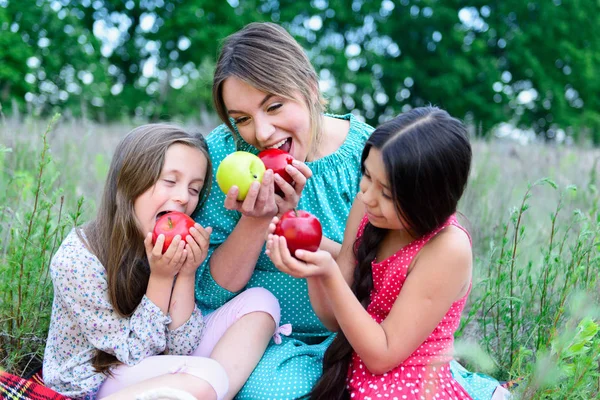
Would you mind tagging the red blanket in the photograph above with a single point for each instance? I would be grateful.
(15, 388)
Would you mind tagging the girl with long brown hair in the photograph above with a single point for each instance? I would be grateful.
(124, 318)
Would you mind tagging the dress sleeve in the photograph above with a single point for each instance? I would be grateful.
(185, 339)
(209, 294)
(80, 281)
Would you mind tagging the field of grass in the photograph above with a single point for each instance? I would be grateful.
(532, 211)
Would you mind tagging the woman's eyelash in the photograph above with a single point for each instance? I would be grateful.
(274, 107)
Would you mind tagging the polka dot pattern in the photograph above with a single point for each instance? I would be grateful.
(426, 373)
(290, 369)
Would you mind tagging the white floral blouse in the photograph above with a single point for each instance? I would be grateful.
(84, 320)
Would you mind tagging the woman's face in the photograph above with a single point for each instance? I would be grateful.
(266, 121)
(177, 189)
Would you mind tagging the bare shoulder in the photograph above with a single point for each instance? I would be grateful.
(448, 258)
(450, 243)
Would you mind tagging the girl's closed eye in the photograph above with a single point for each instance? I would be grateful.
(169, 181)
(194, 191)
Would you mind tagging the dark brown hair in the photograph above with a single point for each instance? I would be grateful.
(427, 158)
(114, 235)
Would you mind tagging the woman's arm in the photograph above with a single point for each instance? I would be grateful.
(440, 275)
(311, 265)
(232, 263)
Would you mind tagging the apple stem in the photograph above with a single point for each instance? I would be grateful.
(170, 222)
(296, 212)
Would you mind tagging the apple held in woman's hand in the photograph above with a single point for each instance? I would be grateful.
(172, 224)
(301, 230)
(240, 169)
(277, 160)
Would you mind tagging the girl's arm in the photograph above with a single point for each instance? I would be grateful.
(81, 292)
(281, 257)
(185, 329)
(346, 263)
(182, 302)
(439, 276)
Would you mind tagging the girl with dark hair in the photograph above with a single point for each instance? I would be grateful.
(397, 289)
(120, 304)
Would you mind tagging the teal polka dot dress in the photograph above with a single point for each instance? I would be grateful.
(290, 369)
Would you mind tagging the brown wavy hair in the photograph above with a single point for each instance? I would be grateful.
(114, 235)
(268, 58)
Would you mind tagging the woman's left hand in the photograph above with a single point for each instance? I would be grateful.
(196, 247)
(291, 193)
(305, 264)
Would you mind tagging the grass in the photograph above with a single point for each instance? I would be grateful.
(532, 210)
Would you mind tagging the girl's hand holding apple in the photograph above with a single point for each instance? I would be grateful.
(293, 245)
(305, 264)
(196, 249)
(167, 264)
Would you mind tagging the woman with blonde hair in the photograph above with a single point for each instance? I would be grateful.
(266, 92)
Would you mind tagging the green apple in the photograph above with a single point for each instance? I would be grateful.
(240, 169)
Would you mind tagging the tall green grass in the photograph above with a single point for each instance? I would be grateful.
(534, 305)
(532, 210)
(33, 222)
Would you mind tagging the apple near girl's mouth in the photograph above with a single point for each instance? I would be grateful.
(160, 214)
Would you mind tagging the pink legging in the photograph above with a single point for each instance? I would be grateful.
(197, 364)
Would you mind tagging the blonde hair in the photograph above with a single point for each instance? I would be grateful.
(268, 58)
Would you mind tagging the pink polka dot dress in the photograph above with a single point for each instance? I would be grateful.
(425, 374)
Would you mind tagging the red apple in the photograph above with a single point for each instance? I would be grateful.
(276, 160)
(301, 230)
(172, 224)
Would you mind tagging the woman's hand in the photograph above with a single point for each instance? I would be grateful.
(196, 249)
(306, 264)
(299, 172)
(165, 265)
(259, 202)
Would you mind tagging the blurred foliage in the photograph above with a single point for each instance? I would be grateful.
(531, 63)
